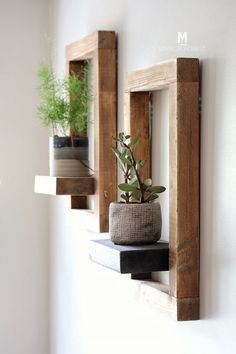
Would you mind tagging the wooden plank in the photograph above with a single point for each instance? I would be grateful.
(154, 77)
(187, 70)
(64, 185)
(130, 259)
(140, 126)
(106, 129)
(84, 48)
(173, 193)
(76, 66)
(141, 276)
(100, 48)
(184, 190)
(161, 75)
(79, 202)
(188, 309)
(157, 296)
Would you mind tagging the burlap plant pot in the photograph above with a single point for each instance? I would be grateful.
(133, 223)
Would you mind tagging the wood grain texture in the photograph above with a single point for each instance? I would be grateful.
(140, 126)
(106, 130)
(187, 70)
(184, 189)
(64, 185)
(188, 309)
(100, 48)
(152, 78)
(161, 75)
(83, 49)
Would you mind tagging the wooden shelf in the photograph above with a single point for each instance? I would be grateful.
(74, 186)
(130, 259)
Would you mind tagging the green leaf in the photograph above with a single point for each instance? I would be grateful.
(152, 197)
(137, 194)
(140, 164)
(157, 189)
(134, 141)
(123, 169)
(123, 196)
(115, 138)
(125, 160)
(126, 187)
(127, 136)
(134, 181)
(116, 151)
(148, 182)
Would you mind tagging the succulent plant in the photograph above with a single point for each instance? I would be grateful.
(133, 188)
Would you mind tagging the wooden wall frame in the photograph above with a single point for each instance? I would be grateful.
(181, 77)
(100, 48)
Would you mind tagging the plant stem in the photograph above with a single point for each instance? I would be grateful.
(136, 172)
(126, 178)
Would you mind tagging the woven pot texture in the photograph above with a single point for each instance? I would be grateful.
(133, 223)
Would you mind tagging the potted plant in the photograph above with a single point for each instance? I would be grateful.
(137, 219)
(64, 109)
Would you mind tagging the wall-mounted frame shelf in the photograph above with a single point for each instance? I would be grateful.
(74, 186)
(130, 259)
(180, 77)
(99, 50)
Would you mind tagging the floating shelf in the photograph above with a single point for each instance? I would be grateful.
(130, 259)
(74, 186)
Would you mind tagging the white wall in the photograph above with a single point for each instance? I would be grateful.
(24, 289)
(93, 310)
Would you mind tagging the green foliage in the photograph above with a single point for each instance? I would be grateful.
(135, 189)
(64, 102)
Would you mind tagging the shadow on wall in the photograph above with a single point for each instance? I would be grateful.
(210, 264)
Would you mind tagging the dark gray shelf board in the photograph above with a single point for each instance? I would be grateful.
(130, 259)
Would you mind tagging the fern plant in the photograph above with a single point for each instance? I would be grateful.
(64, 102)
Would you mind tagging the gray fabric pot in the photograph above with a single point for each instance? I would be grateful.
(134, 223)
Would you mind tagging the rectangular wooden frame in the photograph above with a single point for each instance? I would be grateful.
(100, 47)
(181, 77)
